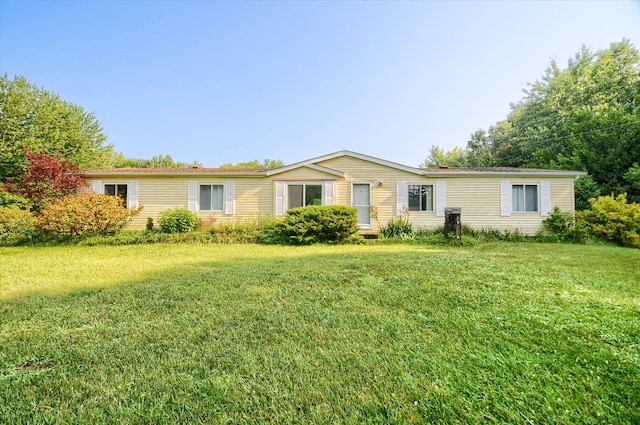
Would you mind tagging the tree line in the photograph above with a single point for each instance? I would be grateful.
(36, 120)
(585, 117)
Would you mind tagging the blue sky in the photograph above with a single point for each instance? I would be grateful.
(225, 82)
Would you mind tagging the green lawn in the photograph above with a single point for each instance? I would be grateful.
(508, 333)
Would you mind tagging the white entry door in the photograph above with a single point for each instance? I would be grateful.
(361, 200)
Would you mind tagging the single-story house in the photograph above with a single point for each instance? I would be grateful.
(498, 198)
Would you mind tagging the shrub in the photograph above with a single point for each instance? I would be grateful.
(318, 224)
(614, 220)
(397, 228)
(559, 223)
(149, 225)
(8, 199)
(178, 220)
(16, 225)
(85, 214)
(47, 178)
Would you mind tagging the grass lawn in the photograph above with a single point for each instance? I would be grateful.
(530, 333)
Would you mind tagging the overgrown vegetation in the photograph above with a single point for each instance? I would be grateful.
(397, 228)
(262, 229)
(609, 219)
(519, 333)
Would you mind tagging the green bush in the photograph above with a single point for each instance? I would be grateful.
(614, 220)
(8, 199)
(178, 220)
(559, 223)
(86, 214)
(397, 228)
(149, 225)
(317, 224)
(16, 225)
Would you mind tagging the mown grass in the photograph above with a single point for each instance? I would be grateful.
(505, 333)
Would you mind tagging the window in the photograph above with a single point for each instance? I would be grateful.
(211, 197)
(524, 197)
(117, 190)
(302, 195)
(420, 197)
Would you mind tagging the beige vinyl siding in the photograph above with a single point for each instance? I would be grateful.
(253, 197)
(479, 199)
(360, 171)
(156, 195)
(562, 194)
(304, 174)
(479, 196)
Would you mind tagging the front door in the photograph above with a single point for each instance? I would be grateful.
(361, 201)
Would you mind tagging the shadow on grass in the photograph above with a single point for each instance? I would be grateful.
(324, 334)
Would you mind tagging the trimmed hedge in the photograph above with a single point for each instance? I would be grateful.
(319, 224)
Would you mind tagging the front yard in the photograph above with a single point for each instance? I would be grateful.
(531, 333)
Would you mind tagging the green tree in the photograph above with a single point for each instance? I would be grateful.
(267, 163)
(33, 119)
(585, 188)
(455, 158)
(480, 152)
(156, 161)
(584, 117)
(633, 176)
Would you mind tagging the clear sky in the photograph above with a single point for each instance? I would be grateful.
(230, 81)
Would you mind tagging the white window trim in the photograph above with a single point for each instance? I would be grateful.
(302, 183)
(544, 197)
(435, 197)
(224, 197)
(132, 190)
(537, 185)
(228, 195)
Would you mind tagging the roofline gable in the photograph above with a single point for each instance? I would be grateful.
(311, 165)
(314, 161)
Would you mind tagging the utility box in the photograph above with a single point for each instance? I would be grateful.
(452, 222)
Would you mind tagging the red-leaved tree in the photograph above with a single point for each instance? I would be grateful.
(46, 178)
